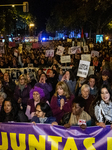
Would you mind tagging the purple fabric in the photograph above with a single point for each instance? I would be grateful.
(37, 89)
(24, 95)
(47, 88)
(93, 137)
(56, 109)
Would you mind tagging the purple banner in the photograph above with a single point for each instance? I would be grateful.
(20, 136)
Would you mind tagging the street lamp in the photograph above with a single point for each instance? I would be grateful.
(31, 28)
(106, 38)
(31, 25)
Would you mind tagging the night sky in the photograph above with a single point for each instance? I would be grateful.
(39, 8)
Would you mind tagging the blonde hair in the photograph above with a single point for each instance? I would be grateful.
(85, 86)
(65, 88)
(24, 76)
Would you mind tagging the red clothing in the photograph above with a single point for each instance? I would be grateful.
(56, 109)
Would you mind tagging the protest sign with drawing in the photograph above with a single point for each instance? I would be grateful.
(49, 53)
(83, 68)
(60, 50)
(74, 50)
(65, 59)
(94, 53)
(86, 57)
(85, 48)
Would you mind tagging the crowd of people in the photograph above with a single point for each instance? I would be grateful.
(59, 97)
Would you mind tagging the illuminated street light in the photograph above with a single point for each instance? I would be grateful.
(13, 5)
(32, 25)
(106, 38)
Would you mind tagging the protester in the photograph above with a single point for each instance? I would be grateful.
(70, 80)
(8, 84)
(2, 97)
(61, 101)
(96, 64)
(104, 79)
(39, 72)
(103, 107)
(78, 115)
(92, 84)
(31, 79)
(85, 93)
(8, 112)
(36, 95)
(44, 114)
(79, 83)
(53, 79)
(47, 87)
(21, 93)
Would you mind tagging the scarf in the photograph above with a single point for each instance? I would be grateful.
(104, 112)
(21, 87)
(42, 120)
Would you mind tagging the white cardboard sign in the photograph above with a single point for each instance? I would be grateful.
(86, 57)
(49, 53)
(65, 59)
(94, 53)
(60, 50)
(85, 48)
(83, 68)
(74, 50)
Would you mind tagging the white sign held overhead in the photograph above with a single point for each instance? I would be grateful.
(65, 59)
(83, 68)
(49, 53)
(85, 48)
(94, 53)
(74, 50)
(86, 57)
(60, 50)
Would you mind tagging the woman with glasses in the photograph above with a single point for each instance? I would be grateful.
(44, 114)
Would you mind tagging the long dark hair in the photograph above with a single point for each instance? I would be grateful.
(45, 108)
(45, 76)
(98, 98)
(72, 77)
(12, 113)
